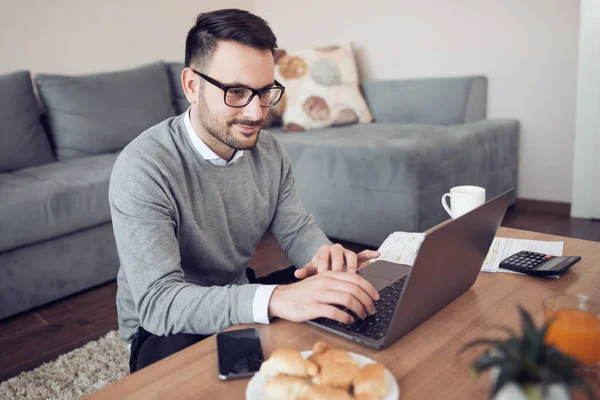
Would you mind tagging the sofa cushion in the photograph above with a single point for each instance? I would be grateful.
(362, 182)
(179, 100)
(58, 198)
(24, 142)
(321, 88)
(101, 113)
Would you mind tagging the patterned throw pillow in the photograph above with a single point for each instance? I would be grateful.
(321, 89)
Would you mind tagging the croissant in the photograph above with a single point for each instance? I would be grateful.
(372, 383)
(331, 355)
(283, 387)
(320, 347)
(322, 392)
(366, 396)
(338, 375)
(288, 362)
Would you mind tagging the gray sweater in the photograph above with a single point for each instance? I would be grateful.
(186, 229)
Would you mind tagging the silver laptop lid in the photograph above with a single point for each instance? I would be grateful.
(447, 265)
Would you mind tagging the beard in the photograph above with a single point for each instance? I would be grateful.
(224, 131)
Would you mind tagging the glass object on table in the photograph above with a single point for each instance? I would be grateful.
(575, 326)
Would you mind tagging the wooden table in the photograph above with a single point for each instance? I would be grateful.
(425, 362)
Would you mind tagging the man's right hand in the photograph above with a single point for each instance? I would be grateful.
(314, 297)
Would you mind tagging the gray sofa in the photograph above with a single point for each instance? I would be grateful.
(361, 182)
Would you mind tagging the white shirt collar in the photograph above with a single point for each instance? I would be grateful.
(203, 149)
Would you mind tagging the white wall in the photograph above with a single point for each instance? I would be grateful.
(81, 36)
(528, 50)
(586, 175)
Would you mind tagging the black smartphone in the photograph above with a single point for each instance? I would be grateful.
(239, 353)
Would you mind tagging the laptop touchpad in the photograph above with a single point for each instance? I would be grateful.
(377, 283)
(386, 270)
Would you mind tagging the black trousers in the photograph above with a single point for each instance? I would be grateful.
(147, 348)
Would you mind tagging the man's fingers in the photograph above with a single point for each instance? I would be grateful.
(356, 280)
(344, 299)
(299, 302)
(351, 288)
(337, 257)
(331, 312)
(322, 259)
(306, 271)
(367, 255)
(351, 261)
(301, 273)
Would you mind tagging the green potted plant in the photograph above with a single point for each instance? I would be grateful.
(524, 367)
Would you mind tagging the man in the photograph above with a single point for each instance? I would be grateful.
(191, 197)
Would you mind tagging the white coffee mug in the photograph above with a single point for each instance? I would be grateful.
(463, 199)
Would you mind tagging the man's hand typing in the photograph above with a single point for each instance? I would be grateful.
(317, 295)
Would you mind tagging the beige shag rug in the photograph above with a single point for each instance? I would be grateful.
(72, 375)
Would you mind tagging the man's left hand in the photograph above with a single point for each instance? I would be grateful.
(334, 258)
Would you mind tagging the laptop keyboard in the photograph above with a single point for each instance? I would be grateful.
(374, 326)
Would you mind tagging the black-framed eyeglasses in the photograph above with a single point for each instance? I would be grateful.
(241, 96)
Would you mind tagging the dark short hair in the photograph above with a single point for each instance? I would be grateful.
(230, 24)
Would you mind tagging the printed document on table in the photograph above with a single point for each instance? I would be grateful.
(401, 247)
(502, 248)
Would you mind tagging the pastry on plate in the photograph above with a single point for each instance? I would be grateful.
(322, 392)
(285, 387)
(327, 374)
(337, 374)
(288, 362)
(323, 354)
(372, 383)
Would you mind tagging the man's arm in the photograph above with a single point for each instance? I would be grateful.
(292, 225)
(308, 247)
(146, 234)
(301, 239)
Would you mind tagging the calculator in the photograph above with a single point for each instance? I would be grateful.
(538, 264)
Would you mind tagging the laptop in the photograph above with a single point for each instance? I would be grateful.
(447, 265)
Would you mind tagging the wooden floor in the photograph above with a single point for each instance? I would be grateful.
(32, 338)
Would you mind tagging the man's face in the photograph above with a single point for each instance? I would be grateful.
(234, 128)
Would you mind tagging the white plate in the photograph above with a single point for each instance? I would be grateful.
(255, 391)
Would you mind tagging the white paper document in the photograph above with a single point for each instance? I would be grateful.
(402, 248)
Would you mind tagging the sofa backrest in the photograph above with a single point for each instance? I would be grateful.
(179, 100)
(101, 113)
(24, 141)
(439, 101)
